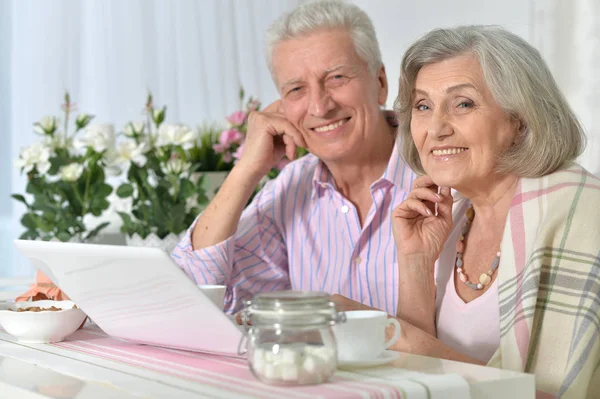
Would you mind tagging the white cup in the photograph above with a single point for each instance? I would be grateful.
(216, 293)
(362, 336)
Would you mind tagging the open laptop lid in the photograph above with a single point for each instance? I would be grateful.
(135, 293)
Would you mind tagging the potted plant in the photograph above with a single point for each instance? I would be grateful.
(65, 178)
(160, 164)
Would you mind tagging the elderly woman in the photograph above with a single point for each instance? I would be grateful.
(498, 240)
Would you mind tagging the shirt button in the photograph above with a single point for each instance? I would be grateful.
(323, 185)
(357, 260)
(345, 209)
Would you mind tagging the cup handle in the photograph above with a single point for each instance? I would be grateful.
(396, 323)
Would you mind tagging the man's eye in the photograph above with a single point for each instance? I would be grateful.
(336, 80)
(294, 90)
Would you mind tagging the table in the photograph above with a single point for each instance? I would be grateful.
(91, 365)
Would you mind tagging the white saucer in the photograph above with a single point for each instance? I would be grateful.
(386, 357)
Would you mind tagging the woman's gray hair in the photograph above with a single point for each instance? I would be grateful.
(521, 84)
(321, 15)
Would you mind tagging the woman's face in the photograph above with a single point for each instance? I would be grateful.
(457, 126)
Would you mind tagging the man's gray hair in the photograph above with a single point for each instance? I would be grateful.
(321, 15)
(521, 84)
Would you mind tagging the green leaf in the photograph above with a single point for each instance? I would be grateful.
(20, 198)
(202, 198)
(44, 225)
(28, 221)
(125, 190)
(35, 187)
(29, 235)
(98, 205)
(103, 190)
(63, 236)
(125, 217)
(186, 188)
(44, 204)
(96, 230)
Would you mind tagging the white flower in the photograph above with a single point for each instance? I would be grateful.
(175, 167)
(98, 137)
(37, 155)
(71, 172)
(46, 125)
(111, 166)
(191, 202)
(133, 128)
(83, 120)
(180, 135)
(129, 151)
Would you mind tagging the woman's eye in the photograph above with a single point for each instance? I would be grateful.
(421, 107)
(465, 104)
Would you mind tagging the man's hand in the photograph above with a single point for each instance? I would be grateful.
(270, 136)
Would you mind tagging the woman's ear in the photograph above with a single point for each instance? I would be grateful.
(520, 130)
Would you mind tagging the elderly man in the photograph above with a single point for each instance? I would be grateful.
(324, 223)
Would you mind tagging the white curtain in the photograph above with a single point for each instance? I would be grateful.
(567, 33)
(193, 55)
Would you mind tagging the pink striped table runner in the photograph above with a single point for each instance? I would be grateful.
(228, 374)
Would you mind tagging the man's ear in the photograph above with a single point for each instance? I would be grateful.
(383, 86)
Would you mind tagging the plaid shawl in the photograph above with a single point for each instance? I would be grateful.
(549, 284)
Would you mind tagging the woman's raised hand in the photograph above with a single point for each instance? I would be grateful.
(422, 222)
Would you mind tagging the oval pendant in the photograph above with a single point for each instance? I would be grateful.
(485, 279)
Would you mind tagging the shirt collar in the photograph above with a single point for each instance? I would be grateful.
(393, 175)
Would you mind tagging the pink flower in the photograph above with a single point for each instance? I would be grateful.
(227, 139)
(238, 153)
(230, 136)
(220, 148)
(227, 157)
(237, 118)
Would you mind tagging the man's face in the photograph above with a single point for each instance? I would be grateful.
(328, 93)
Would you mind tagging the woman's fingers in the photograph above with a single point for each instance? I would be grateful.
(424, 181)
(425, 194)
(411, 208)
(445, 206)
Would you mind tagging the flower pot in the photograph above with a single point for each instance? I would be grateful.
(166, 244)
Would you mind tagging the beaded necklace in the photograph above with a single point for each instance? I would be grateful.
(484, 278)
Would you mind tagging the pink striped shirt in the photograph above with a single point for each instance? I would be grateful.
(300, 233)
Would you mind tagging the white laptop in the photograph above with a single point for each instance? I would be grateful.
(135, 293)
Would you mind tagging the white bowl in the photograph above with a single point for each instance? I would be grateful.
(40, 327)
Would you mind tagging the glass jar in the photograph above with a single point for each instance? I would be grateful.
(288, 337)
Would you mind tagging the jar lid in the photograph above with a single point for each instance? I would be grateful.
(295, 308)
